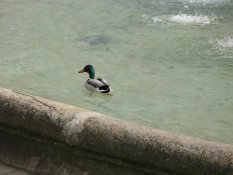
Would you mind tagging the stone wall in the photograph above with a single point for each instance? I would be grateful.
(48, 137)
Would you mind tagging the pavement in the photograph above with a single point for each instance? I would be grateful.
(7, 170)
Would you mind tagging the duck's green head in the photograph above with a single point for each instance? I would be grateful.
(90, 70)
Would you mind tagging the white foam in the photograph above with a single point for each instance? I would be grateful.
(157, 19)
(189, 19)
(184, 19)
(226, 42)
(205, 1)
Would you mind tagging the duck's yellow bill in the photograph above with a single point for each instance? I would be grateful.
(81, 71)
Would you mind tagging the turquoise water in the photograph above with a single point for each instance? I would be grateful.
(170, 62)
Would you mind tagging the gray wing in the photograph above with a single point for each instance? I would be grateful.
(95, 83)
(103, 81)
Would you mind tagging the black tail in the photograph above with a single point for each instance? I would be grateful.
(104, 89)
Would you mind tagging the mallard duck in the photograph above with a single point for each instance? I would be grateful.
(95, 85)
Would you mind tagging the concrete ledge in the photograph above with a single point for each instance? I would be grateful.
(47, 137)
(7, 170)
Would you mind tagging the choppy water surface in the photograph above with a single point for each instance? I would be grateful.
(170, 62)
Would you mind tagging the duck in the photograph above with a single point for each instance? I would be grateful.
(95, 85)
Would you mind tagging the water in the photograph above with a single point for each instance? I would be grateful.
(170, 62)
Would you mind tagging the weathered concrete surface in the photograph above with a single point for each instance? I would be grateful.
(76, 141)
(7, 170)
